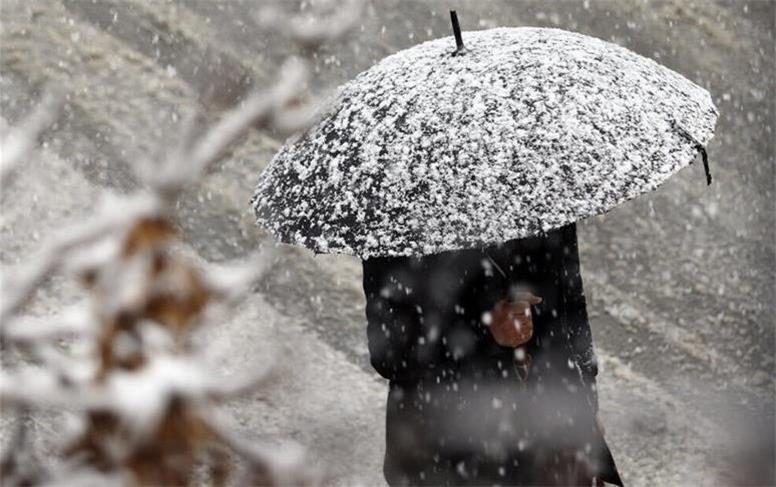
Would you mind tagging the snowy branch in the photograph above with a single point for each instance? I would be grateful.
(21, 283)
(21, 141)
(260, 110)
(131, 373)
(312, 30)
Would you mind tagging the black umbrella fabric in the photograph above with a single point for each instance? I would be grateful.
(522, 131)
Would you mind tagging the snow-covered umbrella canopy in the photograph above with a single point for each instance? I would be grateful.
(522, 131)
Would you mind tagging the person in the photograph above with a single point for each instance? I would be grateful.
(491, 368)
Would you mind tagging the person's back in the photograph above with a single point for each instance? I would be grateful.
(463, 409)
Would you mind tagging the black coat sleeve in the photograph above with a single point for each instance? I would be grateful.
(397, 335)
(388, 335)
(576, 306)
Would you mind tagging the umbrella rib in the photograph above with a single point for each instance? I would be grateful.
(705, 158)
(698, 146)
(496, 265)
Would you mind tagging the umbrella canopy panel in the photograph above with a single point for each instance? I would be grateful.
(526, 131)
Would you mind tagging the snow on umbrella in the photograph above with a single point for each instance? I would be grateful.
(522, 131)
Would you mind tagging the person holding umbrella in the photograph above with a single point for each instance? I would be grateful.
(458, 176)
(489, 356)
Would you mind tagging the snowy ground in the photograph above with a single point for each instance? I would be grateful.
(680, 282)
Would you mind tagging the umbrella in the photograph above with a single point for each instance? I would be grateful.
(520, 131)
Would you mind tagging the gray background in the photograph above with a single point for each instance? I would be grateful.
(680, 282)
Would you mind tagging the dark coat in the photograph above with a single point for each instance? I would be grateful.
(458, 412)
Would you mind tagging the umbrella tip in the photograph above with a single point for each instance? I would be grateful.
(459, 47)
(705, 157)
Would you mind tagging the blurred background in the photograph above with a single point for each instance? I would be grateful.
(681, 283)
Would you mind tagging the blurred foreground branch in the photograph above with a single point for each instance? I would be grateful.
(141, 391)
(20, 141)
(325, 22)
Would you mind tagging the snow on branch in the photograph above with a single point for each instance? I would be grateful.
(260, 110)
(20, 284)
(317, 27)
(20, 141)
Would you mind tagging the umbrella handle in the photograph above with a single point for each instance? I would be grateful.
(460, 48)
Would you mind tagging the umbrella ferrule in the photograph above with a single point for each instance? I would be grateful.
(459, 47)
